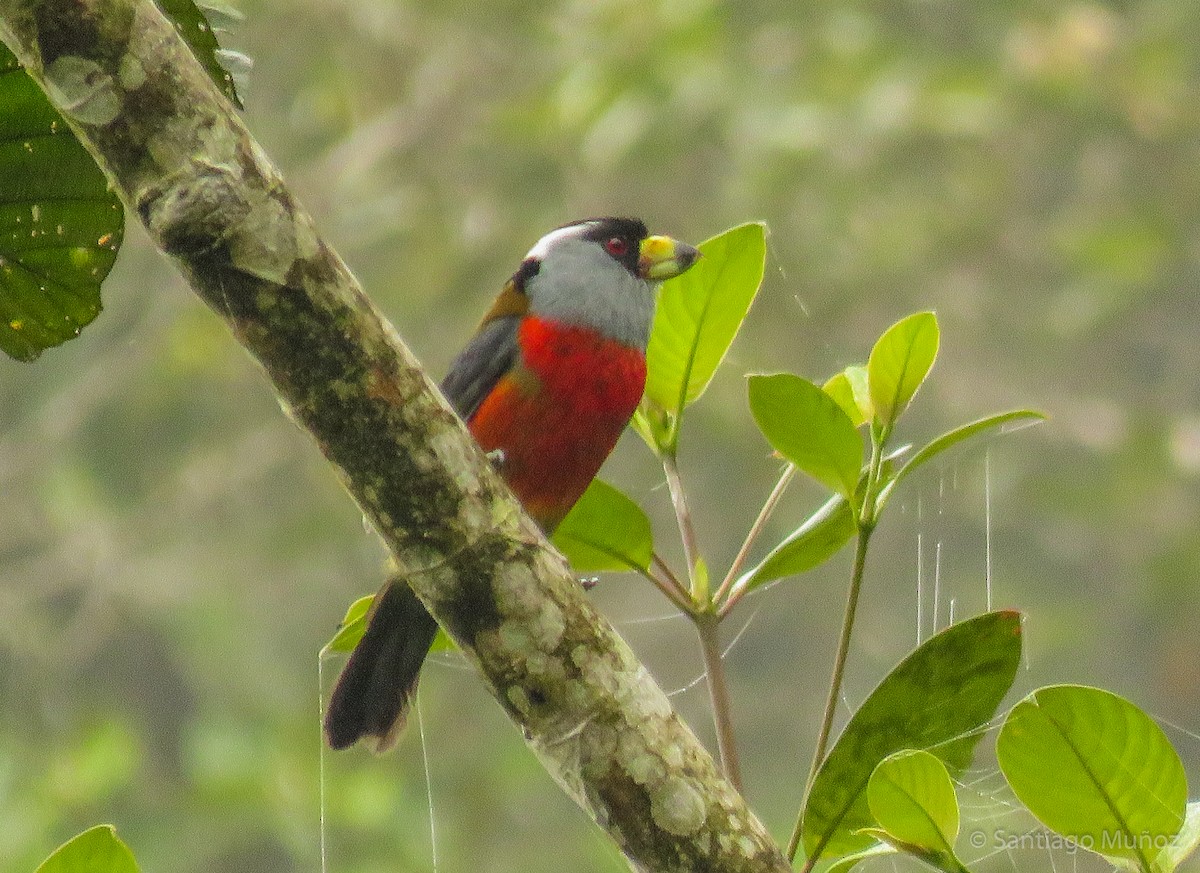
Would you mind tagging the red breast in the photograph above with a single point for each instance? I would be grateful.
(558, 413)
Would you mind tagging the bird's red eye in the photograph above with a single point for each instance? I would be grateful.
(616, 247)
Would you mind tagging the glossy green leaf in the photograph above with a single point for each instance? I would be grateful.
(194, 28)
(1095, 768)
(952, 438)
(96, 850)
(852, 392)
(813, 543)
(807, 427)
(699, 314)
(605, 530)
(60, 226)
(912, 798)
(937, 699)
(899, 363)
(354, 625)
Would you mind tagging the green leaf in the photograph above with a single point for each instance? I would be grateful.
(60, 226)
(652, 425)
(849, 862)
(813, 543)
(605, 530)
(354, 625)
(1095, 768)
(700, 581)
(196, 31)
(852, 392)
(952, 438)
(442, 642)
(699, 314)
(1175, 852)
(899, 363)
(937, 699)
(947, 862)
(96, 850)
(1185, 843)
(912, 798)
(807, 427)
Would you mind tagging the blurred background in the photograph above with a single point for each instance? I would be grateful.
(174, 552)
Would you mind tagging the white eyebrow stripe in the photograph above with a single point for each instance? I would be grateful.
(542, 246)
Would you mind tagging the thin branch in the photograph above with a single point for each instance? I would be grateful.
(667, 573)
(756, 529)
(835, 686)
(687, 531)
(866, 526)
(670, 588)
(707, 626)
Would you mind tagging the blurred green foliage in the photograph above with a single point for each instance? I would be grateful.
(173, 552)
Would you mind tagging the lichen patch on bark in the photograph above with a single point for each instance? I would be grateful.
(82, 89)
(677, 806)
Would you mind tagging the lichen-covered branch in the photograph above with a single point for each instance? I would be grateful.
(207, 194)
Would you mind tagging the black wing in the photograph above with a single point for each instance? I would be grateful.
(480, 365)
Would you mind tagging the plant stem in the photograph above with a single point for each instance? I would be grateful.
(687, 532)
(718, 690)
(755, 529)
(835, 682)
(866, 526)
(667, 573)
(839, 663)
(707, 622)
(666, 582)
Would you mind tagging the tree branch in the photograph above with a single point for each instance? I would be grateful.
(210, 199)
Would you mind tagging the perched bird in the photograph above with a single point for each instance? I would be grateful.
(547, 385)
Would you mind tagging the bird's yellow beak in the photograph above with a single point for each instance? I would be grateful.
(661, 257)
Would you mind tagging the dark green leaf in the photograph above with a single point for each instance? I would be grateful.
(952, 438)
(813, 543)
(912, 798)
(853, 393)
(899, 363)
(807, 427)
(1095, 768)
(699, 314)
(96, 850)
(196, 31)
(60, 226)
(938, 699)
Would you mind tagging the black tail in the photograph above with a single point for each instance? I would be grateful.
(370, 700)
